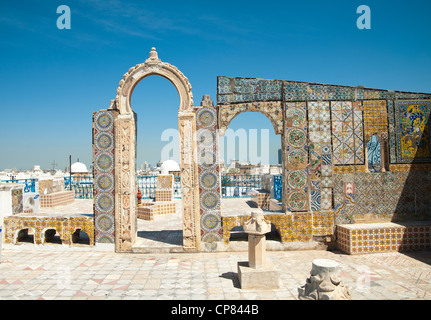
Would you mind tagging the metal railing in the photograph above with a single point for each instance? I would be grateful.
(233, 186)
(29, 184)
(82, 185)
(239, 185)
(278, 186)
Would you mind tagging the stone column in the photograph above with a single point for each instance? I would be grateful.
(258, 273)
(323, 284)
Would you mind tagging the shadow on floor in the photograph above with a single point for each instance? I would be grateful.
(174, 237)
(232, 276)
(423, 256)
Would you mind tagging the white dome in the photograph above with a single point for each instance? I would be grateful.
(169, 166)
(79, 167)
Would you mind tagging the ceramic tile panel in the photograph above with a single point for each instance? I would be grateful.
(319, 127)
(347, 133)
(296, 175)
(412, 131)
(375, 118)
(209, 177)
(103, 173)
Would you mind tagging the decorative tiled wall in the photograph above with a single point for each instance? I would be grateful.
(389, 196)
(103, 173)
(291, 227)
(209, 177)
(329, 168)
(237, 90)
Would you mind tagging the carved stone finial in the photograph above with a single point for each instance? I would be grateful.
(206, 101)
(154, 57)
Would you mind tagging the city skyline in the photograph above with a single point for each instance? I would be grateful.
(54, 79)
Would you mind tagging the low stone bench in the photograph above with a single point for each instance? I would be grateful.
(261, 198)
(149, 209)
(56, 199)
(67, 228)
(383, 237)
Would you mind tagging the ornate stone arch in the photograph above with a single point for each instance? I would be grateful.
(125, 188)
(153, 66)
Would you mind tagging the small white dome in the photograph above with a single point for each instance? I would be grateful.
(169, 166)
(79, 167)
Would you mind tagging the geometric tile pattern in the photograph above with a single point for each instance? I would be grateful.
(319, 131)
(347, 133)
(383, 237)
(375, 118)
(56, 199)
(412, 131)
(209, 177)
(103, 176)
(296, 174)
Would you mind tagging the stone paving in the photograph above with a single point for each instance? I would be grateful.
(85, 273)
(91, 275)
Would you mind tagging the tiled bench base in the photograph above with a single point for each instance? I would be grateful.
(384, 237)
(148, 210)
(65, 226)
(56, 199)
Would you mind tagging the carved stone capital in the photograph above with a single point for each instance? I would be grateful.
(323, 284)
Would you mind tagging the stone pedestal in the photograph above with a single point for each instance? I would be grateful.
(257, 273)
(265, 277)
(323, 284)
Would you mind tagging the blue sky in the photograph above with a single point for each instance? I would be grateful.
(52, 80)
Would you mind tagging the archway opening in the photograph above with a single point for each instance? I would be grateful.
(251, 170)
(155, 101)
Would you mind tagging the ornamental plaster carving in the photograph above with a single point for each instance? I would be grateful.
(273, 110)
